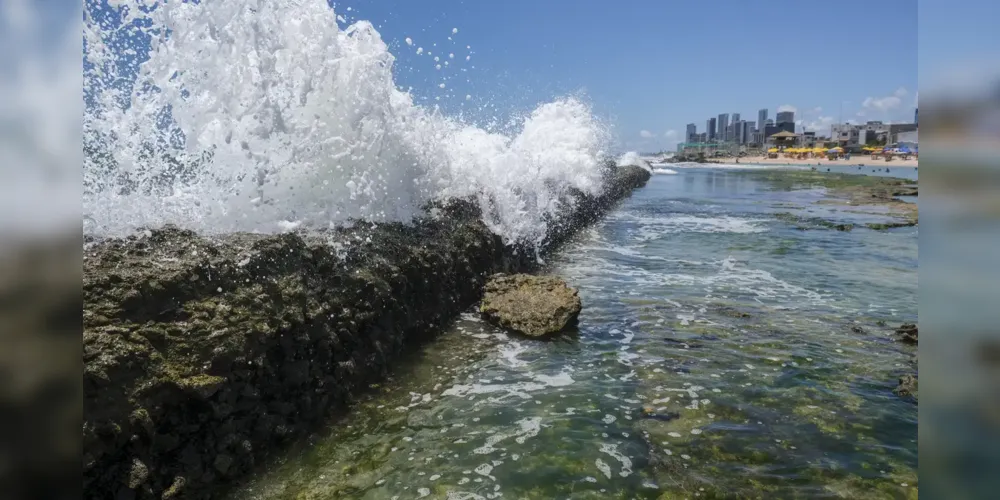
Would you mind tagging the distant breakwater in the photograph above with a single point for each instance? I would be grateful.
(203, 354)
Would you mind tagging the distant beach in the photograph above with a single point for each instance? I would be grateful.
(823, 162)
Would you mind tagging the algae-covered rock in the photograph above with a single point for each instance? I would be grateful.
(907, 386)
(203, 354)
(882, 226)
(907, 333)
(533, 305)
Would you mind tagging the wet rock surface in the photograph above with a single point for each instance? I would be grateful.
(907, 333)
(907, 386)
(532, 305)
(807, 223)
(851, 189)
(202, 354)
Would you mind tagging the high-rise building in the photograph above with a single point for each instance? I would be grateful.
(710, 130)
(692, 132)
(724, 127)
(785, 117)
(736, 117)
(761, 118)
(746, 132)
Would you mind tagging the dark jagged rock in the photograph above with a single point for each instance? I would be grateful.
(202, 354)
(907, 386)
(907, 333)
(882, 226)
(651, 413)
(905, 191)
(734, 313)
(806, 223)
(533, 305)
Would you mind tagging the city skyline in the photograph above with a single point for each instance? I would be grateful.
(892, 109)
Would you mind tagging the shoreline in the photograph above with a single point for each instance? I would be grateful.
(857, 161)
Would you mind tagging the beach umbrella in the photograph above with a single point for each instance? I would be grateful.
(772, 150)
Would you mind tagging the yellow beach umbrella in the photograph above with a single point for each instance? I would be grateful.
(818, 150)
(772, 150)
(837, 149)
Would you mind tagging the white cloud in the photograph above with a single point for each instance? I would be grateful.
(645, 134)
(882, 103)
(670, 134)
(820, 125)
(900, 92)
(787, 107)
(817, 109)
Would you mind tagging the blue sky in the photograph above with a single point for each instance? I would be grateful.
(651, 67)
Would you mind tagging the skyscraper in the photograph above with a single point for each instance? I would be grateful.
(785, 117)
(692, 132)
(710, 129)
(736, 117)
(724, 127)
(746, 132)
(762, 118)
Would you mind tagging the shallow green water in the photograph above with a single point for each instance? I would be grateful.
(763, 351)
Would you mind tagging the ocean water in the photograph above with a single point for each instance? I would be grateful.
(721, 353)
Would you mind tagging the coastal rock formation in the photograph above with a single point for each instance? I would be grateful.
(807, 223)
(202, 354)
(533, 305)
(907, 386)
(882, 226)
(907, 333)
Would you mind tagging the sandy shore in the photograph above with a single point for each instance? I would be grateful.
(853, 162)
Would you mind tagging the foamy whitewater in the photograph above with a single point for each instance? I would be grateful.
(634, 159)
(271, 116)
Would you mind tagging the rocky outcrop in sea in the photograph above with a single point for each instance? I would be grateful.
(202, 354)
(535, 306)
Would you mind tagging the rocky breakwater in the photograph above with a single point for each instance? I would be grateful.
(202, 354)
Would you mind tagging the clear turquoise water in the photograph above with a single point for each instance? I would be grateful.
(721, 353)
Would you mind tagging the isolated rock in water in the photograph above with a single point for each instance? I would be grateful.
(907, 386)
(532, 305)
(907, 332)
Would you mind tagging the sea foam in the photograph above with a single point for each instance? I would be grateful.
(220, 117)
